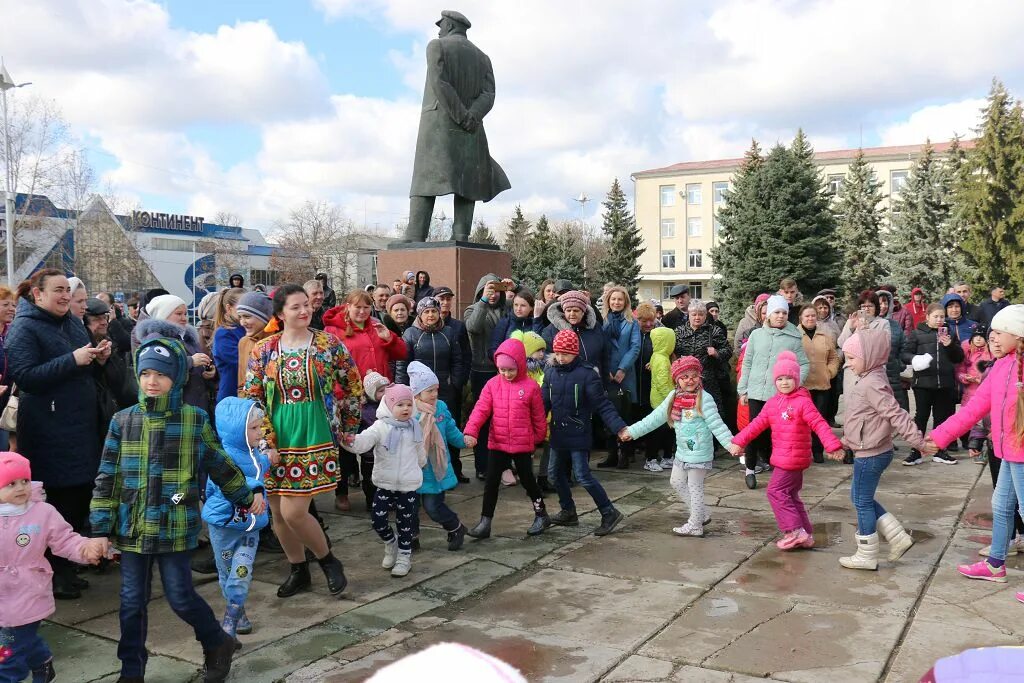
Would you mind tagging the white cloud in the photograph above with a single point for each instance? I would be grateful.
(938, 123)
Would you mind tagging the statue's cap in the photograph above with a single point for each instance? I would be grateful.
(457, 17)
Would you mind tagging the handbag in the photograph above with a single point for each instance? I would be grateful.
(9, 418)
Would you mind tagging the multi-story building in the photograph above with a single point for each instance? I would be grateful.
(677, 206)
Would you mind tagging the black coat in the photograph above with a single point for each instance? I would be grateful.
(441, 351)
(594, 345)
(509, 323)
(941, 373)
(572, 394)
(58, 417)
(691, 342)
(116, 389)
(462, 335)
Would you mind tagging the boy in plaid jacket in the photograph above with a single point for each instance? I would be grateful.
(146, 501)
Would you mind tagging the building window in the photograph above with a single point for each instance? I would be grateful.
(668, 259)
(898, 180)
(666, 287)
(171, 244)
(835, 183)
(693, 193)
(696, 290)
(668, 195)
(693, 227)
(717, 226)
(696, 259)
(263, 277)
(718, 189)
(668, 227)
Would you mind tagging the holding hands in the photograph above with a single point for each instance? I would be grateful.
(95, 549)
(736, 450)
(470, 441)
(624, 435)
(835, 455)
(929, 447)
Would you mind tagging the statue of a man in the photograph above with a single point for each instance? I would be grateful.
(452, 156)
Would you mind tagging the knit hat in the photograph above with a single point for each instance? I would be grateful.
(853, 347)
(153, 355)
(421, 377)
(256, 304)
(532, 341)
(398, 299)
(13, 467)
(712, 304)
(505, 362)
(760, 299)
(566, 341)
(162, 306)
(395, 393)
(1010, 320)
(980, 330)
(373, 383)
(786, 365)
(681, 365)
(776, 303)
(427, 303)
(575, 299)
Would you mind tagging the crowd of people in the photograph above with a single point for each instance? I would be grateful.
(141, 438)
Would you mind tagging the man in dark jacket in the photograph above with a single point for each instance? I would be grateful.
(330, 297)
(116, 387)
(677, 317)
(963, 290)
(446, 297)
(423, 288)
(989, 307)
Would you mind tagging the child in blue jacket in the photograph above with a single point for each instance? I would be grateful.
(234, 531)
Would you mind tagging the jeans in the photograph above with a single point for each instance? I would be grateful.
(581, 468)
(28, 652)
(136, 590)
(993, 470)
(784, 495)
(477, 380)
(1006, 499)
(234, 551)
(761, 447)
(406, 508)
(498, 462)
(438, 510)
(866, 474)
(5, 440)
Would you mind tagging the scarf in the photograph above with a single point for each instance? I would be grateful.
(682, 401)
(436, 327)
(810, 332)
(395, 434)
(12, 510)
(533, 365)
(433, 442)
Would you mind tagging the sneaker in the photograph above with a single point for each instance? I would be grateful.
(807, 542)
(1016, 546)
(750, 480)
(944, 457)
(792, 539)
(913, 459)
(1020, 597)
(761, 468)
(983, 571)
(653, 466)
(687, 530)
(666, 463)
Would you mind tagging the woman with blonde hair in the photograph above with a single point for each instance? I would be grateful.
(623, 334)
(227, 333)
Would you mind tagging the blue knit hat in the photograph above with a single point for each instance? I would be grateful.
(154, 354)
(256, 304)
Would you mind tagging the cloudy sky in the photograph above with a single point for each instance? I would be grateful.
(253, 106)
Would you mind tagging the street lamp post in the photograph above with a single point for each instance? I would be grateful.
(7, 83)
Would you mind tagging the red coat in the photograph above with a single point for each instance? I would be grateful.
(791, 418)
(515, 409)
(367, 349)
(918, 312)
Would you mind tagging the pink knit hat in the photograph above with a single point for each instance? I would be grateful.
(395, 393)
(575, 299)
(681, 365)
(13, 467)
(787, 366)
(505, 362)
(853, 346)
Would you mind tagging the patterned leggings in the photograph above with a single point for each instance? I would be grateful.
(405, 507)
(689, 486)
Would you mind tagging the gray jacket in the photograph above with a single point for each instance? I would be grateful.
(481, 318)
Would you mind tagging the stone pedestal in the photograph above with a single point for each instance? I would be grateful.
(459, 265)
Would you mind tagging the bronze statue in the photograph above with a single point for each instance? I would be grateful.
(452, 156)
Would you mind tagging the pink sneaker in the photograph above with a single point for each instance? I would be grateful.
(808, 542)
(792, 539)
(1020, 597)
(984, 571)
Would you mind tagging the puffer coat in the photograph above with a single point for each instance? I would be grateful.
(791, 417)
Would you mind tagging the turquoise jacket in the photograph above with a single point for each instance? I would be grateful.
(763, 349)
(695, 435)
(451, 435)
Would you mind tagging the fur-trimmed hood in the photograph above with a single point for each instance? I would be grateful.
(151, 327)
(557, 317)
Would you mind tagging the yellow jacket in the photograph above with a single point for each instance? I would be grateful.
(663, 342)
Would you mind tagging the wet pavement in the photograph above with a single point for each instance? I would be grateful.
(638, 605)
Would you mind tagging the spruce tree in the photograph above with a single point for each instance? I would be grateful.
(953, 231)
(859, 224)
(539, 259)
(517, 233)
(914, 249)
(482, 234)
(567, 250)
(621, 264)
(989, 196)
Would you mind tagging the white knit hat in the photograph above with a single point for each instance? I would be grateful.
(161, 307)
(421, 377)
(1010, 320)
(451, 662)
(373, 384)
(777, 303)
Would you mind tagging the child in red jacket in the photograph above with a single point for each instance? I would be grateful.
(513, 403)
(792, 417)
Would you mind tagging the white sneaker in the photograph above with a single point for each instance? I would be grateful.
(687, 530)
(666, 463)
(653, 466)
(1016, 547)
(403, 564)
(390, 553)
(743, 461)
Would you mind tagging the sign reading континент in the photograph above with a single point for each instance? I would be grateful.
(167, 221)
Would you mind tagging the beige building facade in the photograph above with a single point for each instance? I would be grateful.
(677, 206)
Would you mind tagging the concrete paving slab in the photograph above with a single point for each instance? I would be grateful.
(80, 656)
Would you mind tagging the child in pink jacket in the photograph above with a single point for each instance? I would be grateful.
(792, 417)
(513, 403)
(28, 527)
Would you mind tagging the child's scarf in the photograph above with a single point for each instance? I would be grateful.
(395, 435)
(682, 401)
(433, 442)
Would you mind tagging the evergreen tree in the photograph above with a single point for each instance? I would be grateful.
(517, 233)
(539, 259)
(621, 265)
(567, 249)
(801, 148)
(481, 233)
(914, 249)
(990, 196)
(859, 229)
(953, 232)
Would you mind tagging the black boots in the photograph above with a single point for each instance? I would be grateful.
(544, 484)
(609, 521)
(482, 528)
(217, 662)
(334, 572)
(45, 673)
(298, 580)
(565, 518)
(455, 538)
(541, 521)
(612, 459)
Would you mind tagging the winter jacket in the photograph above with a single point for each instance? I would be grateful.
(225, 357)
(572, 394)
(440, 351)
(397, 470)
(904, 319)
(663, 340)
(742, 409)
(895, 366)
(146, 497)
(918, 312)
(232, 420)
(695, 342)
(675, 318)
(116, 389)
(459, 328)
(830, 325)
(368, 350)
(988, 309)
(823, 356)
(968, 369)
(747, 324)
(996, 397)
(941, 372)
(26, 580)
(198, 389)
(452, 437)
(509, 324)
(594, 346)
(623, 340)
(57, 413)
(996, 663)
(961, 328)
(694, 442)
(792, 418)
(871, 412)
(515, 409)
(481, 318)
(641, 367)
(763, 349)
(423, 290)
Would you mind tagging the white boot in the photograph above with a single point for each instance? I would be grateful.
(866, 556)
(390, 553)
(895, 535)
(403, 564)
